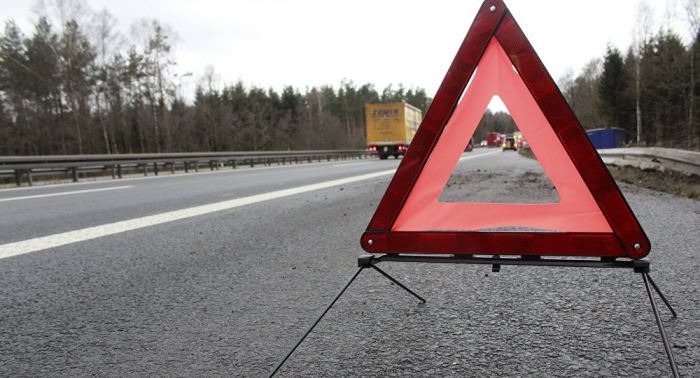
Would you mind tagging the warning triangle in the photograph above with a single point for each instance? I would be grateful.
(577, 211)
(592, 217)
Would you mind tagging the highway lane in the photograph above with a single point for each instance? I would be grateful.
(28, 215)
(40, 216)
(227, 293)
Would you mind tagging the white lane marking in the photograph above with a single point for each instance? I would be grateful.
(65, 193)
(70, 237)
(351, 164)
(476, 155)
(463, 158)
(56, 240)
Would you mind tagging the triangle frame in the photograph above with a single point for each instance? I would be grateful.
(576, 210)
(494, 21)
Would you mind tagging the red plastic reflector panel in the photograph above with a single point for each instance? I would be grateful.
(577, 211)
(592, 217)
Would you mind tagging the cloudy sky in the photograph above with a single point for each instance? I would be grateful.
(303, 43)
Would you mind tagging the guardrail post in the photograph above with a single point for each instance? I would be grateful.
(187, 167)
(233, 164)
(211, 165)
(74, 172)
(145, 169)
(172, 167)
(114, 175)
(119, 170)
(18, 177)
(196, 166)
(252, 163)
(155, 169)
(30, 181)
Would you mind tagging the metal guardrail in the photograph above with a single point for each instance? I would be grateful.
(73, 165)
(657, 158)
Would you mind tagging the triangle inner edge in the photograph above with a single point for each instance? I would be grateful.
(505, 177)
(577, 211)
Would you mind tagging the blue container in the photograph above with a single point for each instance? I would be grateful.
(610, 137)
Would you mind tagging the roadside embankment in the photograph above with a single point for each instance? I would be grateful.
(663, 169)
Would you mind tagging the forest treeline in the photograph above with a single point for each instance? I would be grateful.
(66, 90)
(75, 85)
(652, 91)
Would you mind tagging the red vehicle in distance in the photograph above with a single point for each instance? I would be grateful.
(492, 139)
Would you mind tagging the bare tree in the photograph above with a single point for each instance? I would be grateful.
(581, 92)
(210, 79)
(105, 40)
(641, 36)
(693, 19)
(155, 41)
(60, 12)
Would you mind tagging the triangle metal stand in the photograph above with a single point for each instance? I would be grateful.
(638, 266)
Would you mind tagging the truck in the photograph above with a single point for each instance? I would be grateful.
(390, 127)
(493, 139)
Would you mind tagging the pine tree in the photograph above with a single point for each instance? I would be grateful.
(616, 106)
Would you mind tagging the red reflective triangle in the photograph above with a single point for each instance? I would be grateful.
(592, 217)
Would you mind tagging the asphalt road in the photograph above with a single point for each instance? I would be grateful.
(228, 292)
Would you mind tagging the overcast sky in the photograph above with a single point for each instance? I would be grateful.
(303, 43)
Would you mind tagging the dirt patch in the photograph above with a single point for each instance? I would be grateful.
(516, 187)
(668, 181)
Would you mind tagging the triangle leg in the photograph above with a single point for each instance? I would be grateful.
(318, 320)
(664, 339)
(392, 279)
(663, 298)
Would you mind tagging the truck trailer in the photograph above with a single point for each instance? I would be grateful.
(391, 127)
